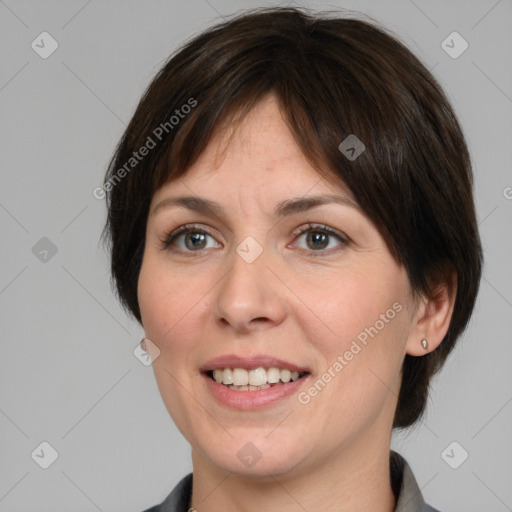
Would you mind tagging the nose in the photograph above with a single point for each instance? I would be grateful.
(250, 297)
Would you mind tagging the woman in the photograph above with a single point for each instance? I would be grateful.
(291, 220)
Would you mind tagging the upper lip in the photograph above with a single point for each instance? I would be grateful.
(250, 363)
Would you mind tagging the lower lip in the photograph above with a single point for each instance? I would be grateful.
(246, 400)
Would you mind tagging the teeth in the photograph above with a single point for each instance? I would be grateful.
(249, 388)
(227, 376)
(257, 377)
(286, 375)
(252, 380)
(240, 377)
(273, 375)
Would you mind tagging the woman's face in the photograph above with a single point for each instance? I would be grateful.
(246, 282)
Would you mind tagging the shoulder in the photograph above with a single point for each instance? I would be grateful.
(179, 498)
(405, 487)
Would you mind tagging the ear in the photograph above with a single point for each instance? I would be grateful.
(432, 317)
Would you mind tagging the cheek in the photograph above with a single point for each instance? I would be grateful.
(171, 305)
(358, 322)
(169, 301)
(347, 304)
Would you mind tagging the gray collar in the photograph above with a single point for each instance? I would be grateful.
(405, 486)
(403, 483)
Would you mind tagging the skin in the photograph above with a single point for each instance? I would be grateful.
(333, 452)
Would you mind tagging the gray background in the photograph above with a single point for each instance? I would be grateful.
(68, 375)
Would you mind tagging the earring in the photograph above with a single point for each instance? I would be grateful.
(424, 344)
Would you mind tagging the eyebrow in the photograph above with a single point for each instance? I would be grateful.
(283, 209)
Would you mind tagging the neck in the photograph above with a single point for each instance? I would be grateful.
(343, 482)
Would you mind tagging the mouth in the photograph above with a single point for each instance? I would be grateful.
(256, 379)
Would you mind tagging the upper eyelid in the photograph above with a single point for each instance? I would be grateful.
(318, 226)
(313, 226)
(297, 232)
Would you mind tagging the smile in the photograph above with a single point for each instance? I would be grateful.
(240, 379)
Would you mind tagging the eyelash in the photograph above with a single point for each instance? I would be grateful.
(171, 236)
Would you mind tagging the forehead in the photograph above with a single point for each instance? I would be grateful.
(261, 139)
(257, 156)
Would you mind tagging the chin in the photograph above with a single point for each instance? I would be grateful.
(262, 471)
(257, 460)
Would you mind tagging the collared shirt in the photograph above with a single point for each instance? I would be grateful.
(403, 483)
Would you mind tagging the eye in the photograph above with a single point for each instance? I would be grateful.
(188, 238)
(318, 238)
(192, 238)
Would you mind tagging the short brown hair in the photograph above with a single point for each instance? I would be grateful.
(332, 76)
